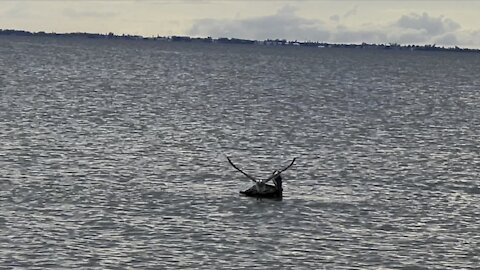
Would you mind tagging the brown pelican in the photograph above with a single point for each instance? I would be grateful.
(261, 189)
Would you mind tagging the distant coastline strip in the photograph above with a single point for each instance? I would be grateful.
(224, 40)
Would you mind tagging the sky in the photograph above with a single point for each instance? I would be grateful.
(440, 22)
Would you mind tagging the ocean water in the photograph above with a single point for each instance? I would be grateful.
(112, 156)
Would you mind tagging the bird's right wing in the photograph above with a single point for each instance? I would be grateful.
(279, 171)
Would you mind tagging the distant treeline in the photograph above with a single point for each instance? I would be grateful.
(223, 40)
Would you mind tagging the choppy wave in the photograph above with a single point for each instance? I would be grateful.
(113, 157)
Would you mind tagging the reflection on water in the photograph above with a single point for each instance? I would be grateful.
(113, 156)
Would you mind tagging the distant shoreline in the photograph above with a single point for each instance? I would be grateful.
(268, 42)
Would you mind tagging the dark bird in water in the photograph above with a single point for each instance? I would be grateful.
(261, 189)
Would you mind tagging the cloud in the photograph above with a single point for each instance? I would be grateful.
(335, 18)
(412, 28)
(449, 39)
(425, 29)
(358, 36)
(284, 24)
(409, 37)
(468, 39)
(431, 25)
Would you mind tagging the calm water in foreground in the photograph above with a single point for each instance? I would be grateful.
(112, 156)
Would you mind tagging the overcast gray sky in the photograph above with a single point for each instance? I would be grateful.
(445, 23)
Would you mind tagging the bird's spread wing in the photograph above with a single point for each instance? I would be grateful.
(244, 173)
(279, 171)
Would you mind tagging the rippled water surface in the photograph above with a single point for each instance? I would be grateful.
(112, 156)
